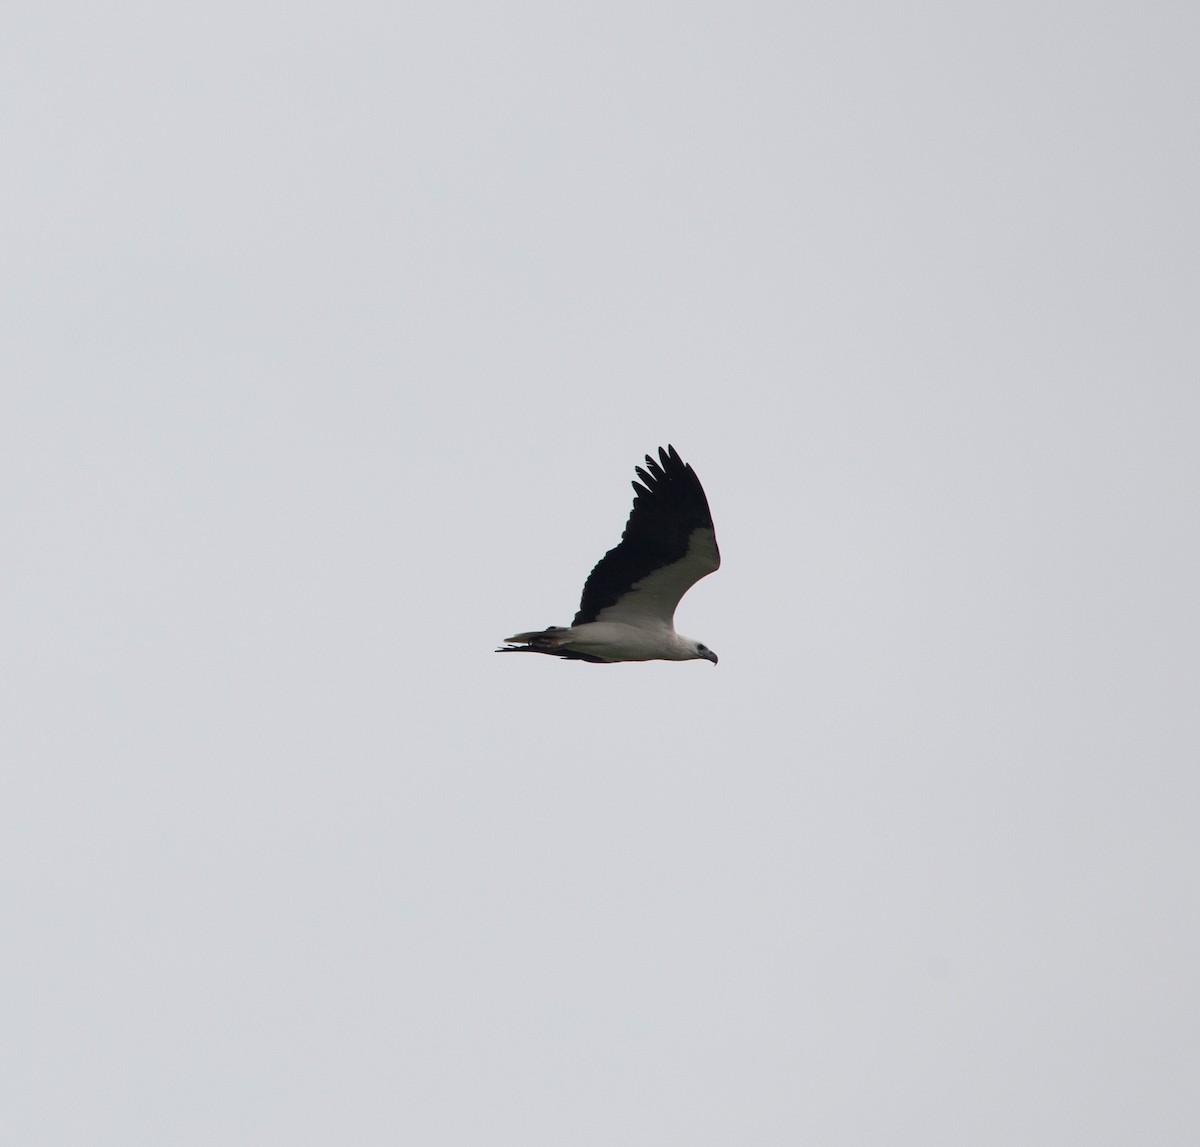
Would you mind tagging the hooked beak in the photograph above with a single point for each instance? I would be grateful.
(709, 655)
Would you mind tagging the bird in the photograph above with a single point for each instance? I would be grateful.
(628, 606)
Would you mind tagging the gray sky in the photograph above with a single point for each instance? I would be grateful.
(331, 335)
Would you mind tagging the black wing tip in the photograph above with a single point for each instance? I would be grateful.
(667, 469)
(667, 462)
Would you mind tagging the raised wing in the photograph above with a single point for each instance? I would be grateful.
(668, 545)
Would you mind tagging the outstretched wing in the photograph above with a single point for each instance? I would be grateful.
(668, 545)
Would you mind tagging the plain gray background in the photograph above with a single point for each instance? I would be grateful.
(331, 336)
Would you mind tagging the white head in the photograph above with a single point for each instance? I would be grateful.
(697, 650)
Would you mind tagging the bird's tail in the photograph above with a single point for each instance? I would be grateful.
(536, 641)
(553, 641)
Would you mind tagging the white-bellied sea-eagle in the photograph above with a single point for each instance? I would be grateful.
(628, 606)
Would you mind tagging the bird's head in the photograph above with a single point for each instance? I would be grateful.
(703, 650)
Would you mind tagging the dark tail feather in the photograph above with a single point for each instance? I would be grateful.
(550, 641)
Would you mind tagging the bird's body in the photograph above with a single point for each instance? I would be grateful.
(628, 605)
(607, 641)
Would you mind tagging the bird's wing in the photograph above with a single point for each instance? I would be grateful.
(668, 545)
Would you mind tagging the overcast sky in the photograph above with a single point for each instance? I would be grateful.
(331, 335)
